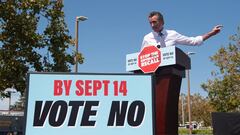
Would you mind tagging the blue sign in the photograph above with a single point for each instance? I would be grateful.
(89, 104)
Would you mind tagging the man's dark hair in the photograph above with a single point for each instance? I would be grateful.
(160, 16)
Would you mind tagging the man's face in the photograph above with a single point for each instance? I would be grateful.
(156, 24)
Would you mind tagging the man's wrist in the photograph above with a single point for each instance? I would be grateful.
(208, 35)
(212, 33)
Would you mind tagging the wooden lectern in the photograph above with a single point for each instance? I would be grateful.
(168, 78)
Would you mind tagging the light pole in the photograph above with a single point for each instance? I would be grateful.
(78, 19)
(183, 122)
(188, 97)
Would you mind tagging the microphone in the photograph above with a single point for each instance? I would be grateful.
(158, 46)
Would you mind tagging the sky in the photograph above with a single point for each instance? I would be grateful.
(116, 28)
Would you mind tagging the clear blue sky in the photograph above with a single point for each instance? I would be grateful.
(116, 28)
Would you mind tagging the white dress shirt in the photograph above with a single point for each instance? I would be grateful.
(169, 38)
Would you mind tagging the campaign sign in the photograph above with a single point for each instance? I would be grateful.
(165, 57)
(149, 59)
(89, 104)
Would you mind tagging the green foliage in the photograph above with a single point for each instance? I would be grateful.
(224, 89)
(57, 40)
(184, 131)
(24, 48)
(202, 131)
(19, 40)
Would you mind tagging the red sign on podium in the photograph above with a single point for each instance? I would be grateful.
(149, 59)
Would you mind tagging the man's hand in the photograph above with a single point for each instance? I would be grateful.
(216, 29)
(213, 32)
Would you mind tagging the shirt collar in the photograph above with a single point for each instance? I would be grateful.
(163, 31)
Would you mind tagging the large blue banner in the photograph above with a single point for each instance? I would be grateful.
(89, 104)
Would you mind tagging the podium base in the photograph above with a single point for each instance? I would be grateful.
(167, 88)
(167, 91)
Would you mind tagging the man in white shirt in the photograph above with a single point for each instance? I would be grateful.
(160, 37)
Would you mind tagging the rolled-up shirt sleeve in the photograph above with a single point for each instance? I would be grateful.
(193, 41)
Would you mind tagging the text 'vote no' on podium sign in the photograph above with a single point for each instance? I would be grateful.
(89, 104)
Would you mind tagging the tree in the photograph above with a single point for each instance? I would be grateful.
(57, 41)
(22, 45)
(224, 89)
(19, 41)
(200, 109)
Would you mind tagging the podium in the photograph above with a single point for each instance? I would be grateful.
(168, 78)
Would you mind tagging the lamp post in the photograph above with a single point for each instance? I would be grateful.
(188, 97)
(183, 122)
(78, 19)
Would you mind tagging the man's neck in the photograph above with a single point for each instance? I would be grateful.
(159, 31)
